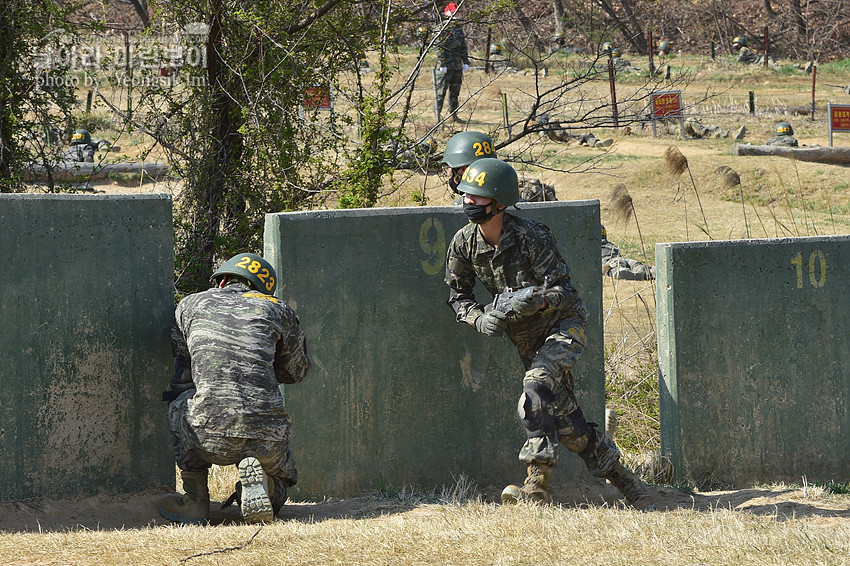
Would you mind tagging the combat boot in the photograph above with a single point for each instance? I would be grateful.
(257, 492)
(534, 490)
(192, 507)
(631, 486)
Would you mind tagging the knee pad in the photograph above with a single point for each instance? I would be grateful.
(574, 431)
(533, 409)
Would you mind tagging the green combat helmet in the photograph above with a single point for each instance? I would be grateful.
(739, 41)
(558, 37)
(492, 178)
(465, 147)
(784, 129)
(421, 32)
(251, 267)
(495, 49)
(506, 43)
(615, 52)
(607, 47)
(664, 47)
(81, 137)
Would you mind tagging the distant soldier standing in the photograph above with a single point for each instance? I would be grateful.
(452, 62)
(502, 250)
(233, 345)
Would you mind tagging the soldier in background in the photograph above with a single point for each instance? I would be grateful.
(745, 54)
(503, 250)
(784, 136)
(233, 345)
(462, 149)
(82, 148)
(664, 48)
(452, 62)
(616, 266)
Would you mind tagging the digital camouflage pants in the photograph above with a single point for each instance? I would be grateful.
(550, 365)
(196, 450)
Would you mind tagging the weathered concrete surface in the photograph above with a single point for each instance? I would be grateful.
(754, 353)
(400, 393)
(86, 300)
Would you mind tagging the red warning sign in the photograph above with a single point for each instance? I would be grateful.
(667, 104)
(318, 96)
(839, 117)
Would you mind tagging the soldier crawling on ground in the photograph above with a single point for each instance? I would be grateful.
(556, 132)
(696, 129)
(615, 266)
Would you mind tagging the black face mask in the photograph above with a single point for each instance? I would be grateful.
(453, 183)
(477, 213)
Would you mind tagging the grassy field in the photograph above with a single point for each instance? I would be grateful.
(799, 524)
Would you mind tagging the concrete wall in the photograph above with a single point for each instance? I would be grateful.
(754, 352)
(400, 393)
(86, 300)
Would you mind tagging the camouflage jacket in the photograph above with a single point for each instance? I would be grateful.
(784, 139)
(235, 345)
(453, 52)
(526, 255)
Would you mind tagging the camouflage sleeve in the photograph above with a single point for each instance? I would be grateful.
(291, 363)
(462, 50)
(460, 277)
(182, 378)
(549, 266)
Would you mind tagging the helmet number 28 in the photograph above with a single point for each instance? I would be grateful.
(473, 176)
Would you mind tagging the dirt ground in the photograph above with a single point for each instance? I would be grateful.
(140, 510)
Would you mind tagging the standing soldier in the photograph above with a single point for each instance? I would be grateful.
(547, 327)
(233, 345)
(452, 62)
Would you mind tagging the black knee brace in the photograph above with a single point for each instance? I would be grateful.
(575, 432)
(533, 409)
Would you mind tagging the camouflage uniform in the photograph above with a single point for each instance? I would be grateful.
(549, 342)
(233, 347)
(747, 55)
(80, 153)
(697, 129)
(785, 140)
(618, 267)
(453, 56)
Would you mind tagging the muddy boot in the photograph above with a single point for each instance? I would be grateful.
(257, 491)
(631, 486)
(534, 490)
(191, 508)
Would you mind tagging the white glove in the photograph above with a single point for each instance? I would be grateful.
(465, 68)
(443, 69)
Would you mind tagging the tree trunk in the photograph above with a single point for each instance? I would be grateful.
(799, 22)
(141, 7)
(529, 28)
(633, 35)
(833, 155)
(558, 9)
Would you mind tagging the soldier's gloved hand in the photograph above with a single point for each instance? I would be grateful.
(492, 323)
(465, 68)
(443, 69)
(527, 305)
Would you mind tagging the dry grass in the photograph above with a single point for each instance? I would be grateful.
(469, 533)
